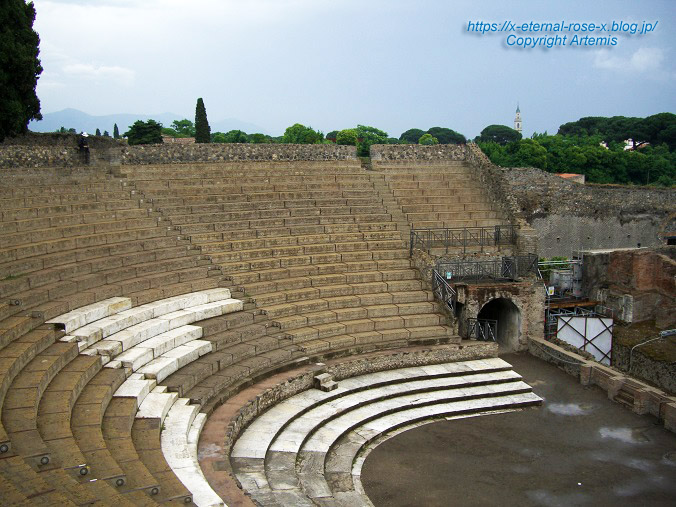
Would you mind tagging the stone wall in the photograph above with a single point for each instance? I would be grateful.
(494, 180)
(56, 150)
(646, 399)
(637, 284)
(569, 216)
(416, 152)
(216, 152)
(60, 150)
(524, 321)
(643, 366)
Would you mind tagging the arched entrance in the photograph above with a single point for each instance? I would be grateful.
(509, 321)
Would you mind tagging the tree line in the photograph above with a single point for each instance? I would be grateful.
(617, 149)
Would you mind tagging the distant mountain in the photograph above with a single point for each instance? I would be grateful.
(73, 118)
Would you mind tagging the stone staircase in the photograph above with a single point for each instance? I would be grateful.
(312, 245)
(313, 250)
(302, 451)
(436, 194)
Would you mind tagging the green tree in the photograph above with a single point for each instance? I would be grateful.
(527, 153)
(428, 140)
(347, 137)
(259, 138)
(19, 67)
(331, 136)
(236, 136)
(300, 134)
(149, 132)
(202, 129)
(367, 136)
(447, 136)
(98, 132)
(183, 128)
(499, 134)
(116, 132)
(412, 136)
(106, 134)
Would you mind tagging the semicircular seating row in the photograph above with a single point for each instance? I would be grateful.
(150, 342)
(72, 237)
(302, 451)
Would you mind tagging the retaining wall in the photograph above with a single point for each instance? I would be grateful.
(569, 216)
(646, 399)
(60, 150)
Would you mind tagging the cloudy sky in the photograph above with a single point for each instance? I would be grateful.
(393, 64)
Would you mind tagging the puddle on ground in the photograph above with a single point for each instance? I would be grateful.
(669, 459)
(639, 486)
(569, 408)
(549, 499)
(627, 435)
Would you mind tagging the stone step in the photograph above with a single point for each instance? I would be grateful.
(22, 398)
(179, 445)
(257, 440)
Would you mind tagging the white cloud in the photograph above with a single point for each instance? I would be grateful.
(642, 60)
(118, 75)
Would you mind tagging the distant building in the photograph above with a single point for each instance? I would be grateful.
(577, 178)
(630, 146)
(517, 120)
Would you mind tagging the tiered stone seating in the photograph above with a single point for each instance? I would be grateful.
(302, 450)
(72, 237)
(70, 241)
(71, 417)
(311, 244)
(311, 249)
(440, 194)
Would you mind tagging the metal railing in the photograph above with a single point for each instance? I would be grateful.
(482, 329)
(443, 291)
(425, 239)
(504, 269)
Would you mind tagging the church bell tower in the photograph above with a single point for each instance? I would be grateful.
(517, 120)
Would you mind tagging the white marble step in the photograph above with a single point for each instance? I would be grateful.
(90, 313)
(139, 333)
(102, 328)
(169, 362)
(442, 387)
(135, 388)
(156, 405)
(203, 494)
(256, 440)
(149, 349)
(179, 439)
(326, 434)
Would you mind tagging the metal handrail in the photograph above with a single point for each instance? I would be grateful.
(443, 291)
(427, 238)
(504, 269)
(482, 329)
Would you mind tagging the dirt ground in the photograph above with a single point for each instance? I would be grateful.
(578, 448)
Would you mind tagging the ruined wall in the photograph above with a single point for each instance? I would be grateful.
(416, 152)
(60, 150)
(216, 152)
(527, 296)
(569, 216)
(56, 150)
(638, 284)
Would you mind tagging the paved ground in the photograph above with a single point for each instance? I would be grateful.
(579, 448)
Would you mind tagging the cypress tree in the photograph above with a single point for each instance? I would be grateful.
(202, 129)
(19, 67)
(98, 132)
(116, 132)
